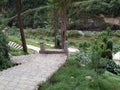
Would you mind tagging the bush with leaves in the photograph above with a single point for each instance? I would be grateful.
(99, 54)
(107, 44)
(116, 33)
(74, 33)
(116, 48)
(98, 63)
(104, 51)
(4, 56)
(14, 31)
(83, 57)
(84, 45)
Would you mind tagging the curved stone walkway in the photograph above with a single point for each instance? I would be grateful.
(15, 45)
(29, 75)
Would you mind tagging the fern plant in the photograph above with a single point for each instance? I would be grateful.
(4, 56)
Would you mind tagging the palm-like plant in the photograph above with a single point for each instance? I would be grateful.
(61, 7)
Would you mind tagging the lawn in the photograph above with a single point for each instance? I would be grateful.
(72, 76)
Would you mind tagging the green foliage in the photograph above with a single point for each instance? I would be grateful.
(4, 56)
(104, 37)
(86, 10)
(72, 77)
(58, 38)
(87, 34)
(15, 39)
(84, 46)
(100, 52)
(109, 81)
(116, 33)
(19, 52)
(83, 57)
(116, 48)
(37, 13)
(97, 7)
(108, 31)
(74, 33)
(14, 31)
(98, 63)
(107, 54)
(3, 46)
(16, 52)
(109, 45)
(112, 67)
(37, 33)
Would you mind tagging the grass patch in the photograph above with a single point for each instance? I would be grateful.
(19, 52)
(72, 77)
(76, 41)
(109, 81)
(37, 44)
(15, 39)
(29, 42)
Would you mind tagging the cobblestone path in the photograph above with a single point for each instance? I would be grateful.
(33, 70)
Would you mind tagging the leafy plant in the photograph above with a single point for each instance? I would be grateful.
(74, 33)
(109, 45)
(83, 57)
(98, 63)
(4, 56)
(84, 46)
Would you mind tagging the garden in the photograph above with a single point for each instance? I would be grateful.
(91, 28)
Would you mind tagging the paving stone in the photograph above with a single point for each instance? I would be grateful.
(9, 88)
(34, 70)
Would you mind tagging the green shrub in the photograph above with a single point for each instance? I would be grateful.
(83, 57)
(37, 33)
(15, 39)
(58, 39)
(116, 33)
(100, 57)
(96, 57)
(109, 31)
(74, 33)
(104, 37)
(116, 48)
(109, 45)
(112, 67)
(84, 45)
(16, 52)
(4, 56)
(14, 31)
(87, 34)
(107, 54)
(102, 65)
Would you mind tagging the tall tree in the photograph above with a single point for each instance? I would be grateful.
(63, 5)
(55, 23)
(18, 8)
(63, 15)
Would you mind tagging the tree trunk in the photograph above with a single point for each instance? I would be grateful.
(63, 26)
(18, 8)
